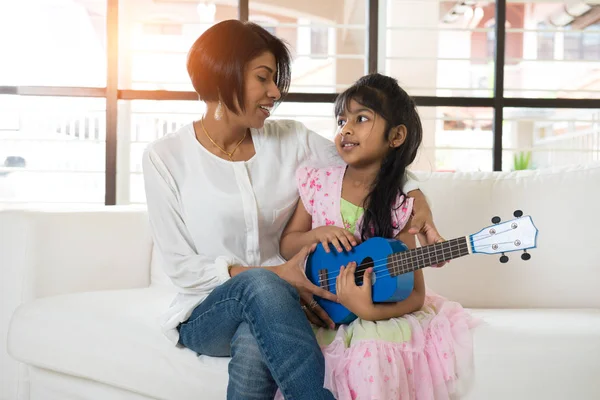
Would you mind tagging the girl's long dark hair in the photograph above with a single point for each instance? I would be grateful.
(384, 96)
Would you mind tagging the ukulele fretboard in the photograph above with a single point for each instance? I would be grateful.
(412, 260)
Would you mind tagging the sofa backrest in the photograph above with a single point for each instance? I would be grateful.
(564, 203)
(100, 246)
(50, 251)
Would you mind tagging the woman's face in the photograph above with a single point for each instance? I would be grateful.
(261, 92)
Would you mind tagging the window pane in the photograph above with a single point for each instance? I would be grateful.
(439, 48)
(53, 43)
(552, 50)
(142, 122)
(155, 37)
(541, 138)
(327, 40)
(455, 139)
(318, 117)
(52, 150)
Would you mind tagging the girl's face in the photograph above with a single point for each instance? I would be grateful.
(360, 137)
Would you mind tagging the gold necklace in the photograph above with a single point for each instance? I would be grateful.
(230, 155)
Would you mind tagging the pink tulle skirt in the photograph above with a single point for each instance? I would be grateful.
(421, 356)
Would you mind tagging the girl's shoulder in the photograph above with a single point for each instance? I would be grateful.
(333, 173)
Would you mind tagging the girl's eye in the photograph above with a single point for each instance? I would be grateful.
(362, 119)
(341, 122)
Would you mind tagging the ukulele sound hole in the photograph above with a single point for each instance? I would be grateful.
(360, 270)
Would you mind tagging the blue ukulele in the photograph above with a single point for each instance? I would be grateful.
(393, 264)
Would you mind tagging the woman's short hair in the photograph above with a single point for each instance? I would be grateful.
(217, 60)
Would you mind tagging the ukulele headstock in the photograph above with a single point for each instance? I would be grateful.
(504, 237)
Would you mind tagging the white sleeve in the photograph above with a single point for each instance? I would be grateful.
(188, 269)
(411, 182)
(315, 149)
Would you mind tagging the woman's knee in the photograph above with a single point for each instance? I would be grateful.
(267, 285)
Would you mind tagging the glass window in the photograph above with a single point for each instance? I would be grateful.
(52, 150)
(319, 41)
(549, 52)
(539, 138)
(155, 37)
(545, 42)
(53, 43)
(455, 139)
(439, 48)
(327, 41)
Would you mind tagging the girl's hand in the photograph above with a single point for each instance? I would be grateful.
(293, 272)
(336, 236)
(355, 298)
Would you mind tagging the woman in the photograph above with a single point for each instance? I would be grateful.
(219, 193)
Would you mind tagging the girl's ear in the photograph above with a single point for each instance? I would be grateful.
(398, 136)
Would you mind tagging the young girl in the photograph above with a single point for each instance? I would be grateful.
(413, 349)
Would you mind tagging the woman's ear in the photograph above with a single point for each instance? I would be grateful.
(398, 136)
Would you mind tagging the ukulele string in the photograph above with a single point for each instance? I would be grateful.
(383, 267)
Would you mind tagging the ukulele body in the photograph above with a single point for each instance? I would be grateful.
(323, 268)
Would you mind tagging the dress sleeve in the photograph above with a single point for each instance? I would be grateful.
(401, 213)
(308, 182)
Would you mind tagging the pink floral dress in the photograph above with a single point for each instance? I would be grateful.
(423, 355)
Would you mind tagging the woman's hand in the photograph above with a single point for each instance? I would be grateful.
(355, 298)
(293, 272)
(422, 223)
(336, 236)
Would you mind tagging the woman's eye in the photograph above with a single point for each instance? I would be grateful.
(260, 78)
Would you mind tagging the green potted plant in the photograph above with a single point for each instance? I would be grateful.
(522, 160)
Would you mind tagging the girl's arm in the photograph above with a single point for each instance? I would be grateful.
(358, 298)
(415, 300)
(297, 233)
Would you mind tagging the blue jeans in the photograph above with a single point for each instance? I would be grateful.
(256, 318)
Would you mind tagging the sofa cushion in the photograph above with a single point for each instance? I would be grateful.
(536, 354)
(114, 338)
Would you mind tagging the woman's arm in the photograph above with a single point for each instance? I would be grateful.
(186, 266)
(422, 222)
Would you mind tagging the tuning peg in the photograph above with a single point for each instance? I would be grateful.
(504, 259)
(518, 214)
(525, 256)
(496, 220)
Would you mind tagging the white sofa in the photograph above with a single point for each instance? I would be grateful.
(91, 292)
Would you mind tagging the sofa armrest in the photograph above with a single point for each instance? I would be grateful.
(50, 252)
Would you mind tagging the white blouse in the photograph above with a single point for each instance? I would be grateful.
(207, 213)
